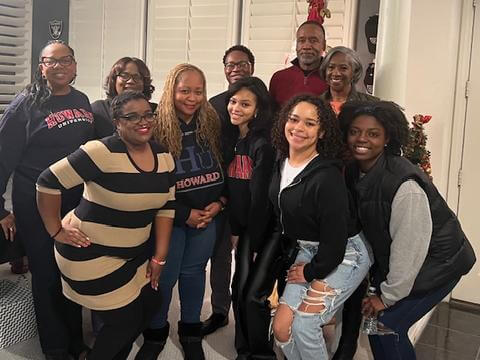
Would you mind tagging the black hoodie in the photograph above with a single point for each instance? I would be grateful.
(315, 207)
(248, 177)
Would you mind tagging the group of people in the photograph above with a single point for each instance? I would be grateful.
(118, 201)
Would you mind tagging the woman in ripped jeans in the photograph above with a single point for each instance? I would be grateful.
(311, 202)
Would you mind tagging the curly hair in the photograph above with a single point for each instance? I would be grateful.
(263, 118)
(168, 132)
(125, 97)
(329, 147)
(387, 113)
(118, 67)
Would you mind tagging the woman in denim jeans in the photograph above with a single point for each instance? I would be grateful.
(311, 202)
(189, 128)
(420, 249)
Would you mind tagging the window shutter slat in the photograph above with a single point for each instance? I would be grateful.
(195, 31)
(15, 48)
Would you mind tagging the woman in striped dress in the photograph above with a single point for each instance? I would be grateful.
(101, 246)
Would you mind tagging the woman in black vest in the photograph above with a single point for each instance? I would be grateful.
(419, 247)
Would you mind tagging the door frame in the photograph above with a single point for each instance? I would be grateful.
(465, 53)
(460, 105)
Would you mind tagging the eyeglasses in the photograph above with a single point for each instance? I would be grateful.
(125, 76)
(241, 65)
(308, 123)
(136, 118)
(63, 61)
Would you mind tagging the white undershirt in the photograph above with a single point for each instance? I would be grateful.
(289, 172)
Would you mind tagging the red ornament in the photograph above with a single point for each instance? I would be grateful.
(317, 10)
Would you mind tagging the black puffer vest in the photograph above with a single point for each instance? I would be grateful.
(449, 256)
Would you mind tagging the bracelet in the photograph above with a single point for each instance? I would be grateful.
(222, 204)
(58, 232)
(161, 263)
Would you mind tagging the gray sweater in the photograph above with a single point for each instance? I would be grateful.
(411, 231)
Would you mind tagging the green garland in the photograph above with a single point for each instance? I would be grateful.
(416, 148)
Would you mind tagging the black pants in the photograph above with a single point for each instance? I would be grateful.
(59, 320)
(253, 283)
(220, 266)
(122, 326)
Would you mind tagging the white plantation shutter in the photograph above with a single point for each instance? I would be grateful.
(101, 32)
(193, 31)
(269, 29)
(340, 27)
(15, 48)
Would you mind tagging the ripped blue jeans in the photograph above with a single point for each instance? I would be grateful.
(306, 337)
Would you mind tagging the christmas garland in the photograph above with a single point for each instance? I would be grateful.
(416, 148)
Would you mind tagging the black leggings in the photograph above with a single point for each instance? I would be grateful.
(122, 326)
(253, 283)
(59, 320)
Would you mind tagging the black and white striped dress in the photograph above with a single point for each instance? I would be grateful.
(119, 204)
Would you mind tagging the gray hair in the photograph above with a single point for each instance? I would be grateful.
(351, 55)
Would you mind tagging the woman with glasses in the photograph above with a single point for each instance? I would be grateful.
(128, 73)
(311, 202)
(189, 128)
(101, 246)
(47, 121)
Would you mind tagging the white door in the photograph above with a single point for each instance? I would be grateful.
(469, 198)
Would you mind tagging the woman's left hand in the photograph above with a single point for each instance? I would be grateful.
(372, 305)
(213, 209)
(153, 273)
(295, 274)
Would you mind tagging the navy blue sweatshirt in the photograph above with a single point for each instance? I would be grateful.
(198, 175)
(31, 139)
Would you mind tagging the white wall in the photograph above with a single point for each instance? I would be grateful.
(418, 68)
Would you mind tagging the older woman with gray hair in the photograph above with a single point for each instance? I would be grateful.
(342, 69)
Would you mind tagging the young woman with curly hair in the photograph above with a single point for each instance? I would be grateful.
(189, 128)
(419, 247)
(311, 202)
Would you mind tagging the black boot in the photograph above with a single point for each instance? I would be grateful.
(191, 339)
(153, 343)
(213, 323)
(351, 321)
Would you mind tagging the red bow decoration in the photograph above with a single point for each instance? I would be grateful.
(317, 10)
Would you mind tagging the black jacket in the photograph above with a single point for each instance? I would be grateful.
(449, 256)
(248, 177)
(315, 207)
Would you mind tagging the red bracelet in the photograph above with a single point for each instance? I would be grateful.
(161, 263)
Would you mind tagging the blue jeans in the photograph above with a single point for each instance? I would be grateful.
(400, 317)
(187, 258)
(306, 341)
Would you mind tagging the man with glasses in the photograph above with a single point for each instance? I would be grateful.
(238, 62)
(303, 76)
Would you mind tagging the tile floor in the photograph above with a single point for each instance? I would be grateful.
(450, 334)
